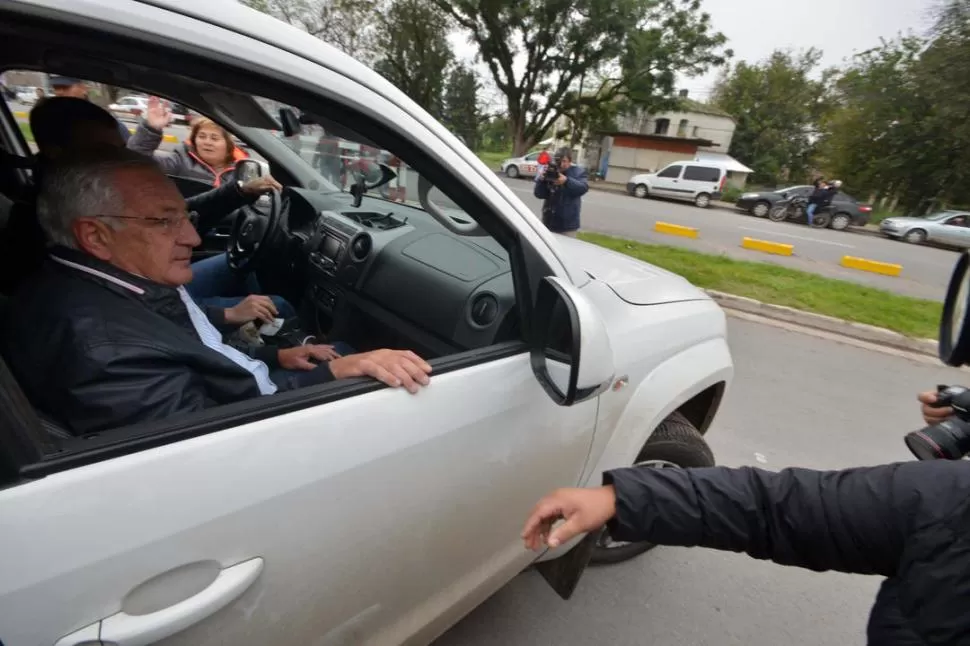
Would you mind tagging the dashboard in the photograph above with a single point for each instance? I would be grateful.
(396, 265)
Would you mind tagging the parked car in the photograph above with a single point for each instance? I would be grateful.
(846, 210)
(348, 512)
(130, 107)
(527, 165)
(951, 228)
(695, 182)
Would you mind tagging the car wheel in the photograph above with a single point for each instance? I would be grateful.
(641, 190)
(702, 201)
(840, 222)
(760, 209)
(916, 236)
(512, 171)
(675, 444)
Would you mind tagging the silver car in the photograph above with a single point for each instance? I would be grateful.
(946, 227)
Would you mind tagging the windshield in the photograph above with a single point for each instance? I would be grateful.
(942, 215)
(331, 157)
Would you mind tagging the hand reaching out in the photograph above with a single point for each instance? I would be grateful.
(158, 115)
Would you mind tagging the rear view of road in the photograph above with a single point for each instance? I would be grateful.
(797, 400)
(926, 270)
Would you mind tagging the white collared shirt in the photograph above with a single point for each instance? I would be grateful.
(212, 339)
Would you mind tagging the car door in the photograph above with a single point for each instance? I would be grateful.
(667, 181)
(954, 230)
(308, 519)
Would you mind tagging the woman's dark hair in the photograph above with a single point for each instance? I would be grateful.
(54, 121)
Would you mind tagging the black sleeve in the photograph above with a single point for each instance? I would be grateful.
(856, 521)
(116, 385)
(212, 206)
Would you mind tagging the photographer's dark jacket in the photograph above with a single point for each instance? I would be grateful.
(909, 522)
(563, 203)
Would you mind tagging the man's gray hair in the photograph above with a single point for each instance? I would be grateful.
(84, 185)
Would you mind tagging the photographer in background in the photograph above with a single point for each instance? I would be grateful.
(908, 522)
(562, 186)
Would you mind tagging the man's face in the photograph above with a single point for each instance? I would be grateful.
(564, 162)
(155, 237)
(77, 90)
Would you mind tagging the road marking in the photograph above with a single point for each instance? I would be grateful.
(789, 235)
(767, 246)
(874, 266)
(675, 230)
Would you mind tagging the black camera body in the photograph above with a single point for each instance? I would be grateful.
(552, 171)
(950, 439)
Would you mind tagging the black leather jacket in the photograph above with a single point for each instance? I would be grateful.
(98, 348)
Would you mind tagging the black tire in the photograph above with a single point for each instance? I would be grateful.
(778, 213)
(641, 191)
(821, 220)
(760, 209)
(840, 221)
(915, 236)
(512, 172)
(676, 442)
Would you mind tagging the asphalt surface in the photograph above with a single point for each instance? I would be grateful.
(826, 405)
(926, 270)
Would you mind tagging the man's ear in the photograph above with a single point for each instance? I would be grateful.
(94, 237)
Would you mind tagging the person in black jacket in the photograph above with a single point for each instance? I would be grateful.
(908, 522)
(105, 334)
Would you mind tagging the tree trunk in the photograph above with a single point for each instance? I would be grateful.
(520, 143)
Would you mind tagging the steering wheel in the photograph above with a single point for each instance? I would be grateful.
(251, 230)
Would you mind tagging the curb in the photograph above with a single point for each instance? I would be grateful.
(858, 331)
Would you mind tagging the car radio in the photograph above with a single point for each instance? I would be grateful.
(337, 249)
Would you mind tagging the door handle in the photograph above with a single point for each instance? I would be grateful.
(122, 629)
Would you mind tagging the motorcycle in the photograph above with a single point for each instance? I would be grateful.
(793, 209)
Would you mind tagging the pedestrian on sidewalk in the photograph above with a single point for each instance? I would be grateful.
(562, 188)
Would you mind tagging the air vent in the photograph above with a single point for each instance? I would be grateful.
(360, 247)
(484, 310)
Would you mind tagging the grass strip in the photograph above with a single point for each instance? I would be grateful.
(778, 285)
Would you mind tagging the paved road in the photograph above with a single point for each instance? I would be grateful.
(926, 270)
(826, 405)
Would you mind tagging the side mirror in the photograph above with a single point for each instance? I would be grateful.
(248, 170)
(954, 341)
(571, 354)
(290, 122)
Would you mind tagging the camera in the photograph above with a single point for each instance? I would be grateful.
(552, 170)
(950, 439)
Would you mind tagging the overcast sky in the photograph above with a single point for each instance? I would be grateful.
(757, 27)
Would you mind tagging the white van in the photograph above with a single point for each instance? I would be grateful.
(698, 182)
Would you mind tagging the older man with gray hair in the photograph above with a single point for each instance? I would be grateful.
(106, 335)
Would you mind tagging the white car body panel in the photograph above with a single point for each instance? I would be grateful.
(381, 518)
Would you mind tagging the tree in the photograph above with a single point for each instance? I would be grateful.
(414, 51)
(537, 51)
(777, 107)
(462, 113)
(494, 134)
(348, 25)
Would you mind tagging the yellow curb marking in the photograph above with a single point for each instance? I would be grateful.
(874, 266)
(766, 246)
(675, 230)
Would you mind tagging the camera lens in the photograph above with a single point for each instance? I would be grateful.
(949, 440)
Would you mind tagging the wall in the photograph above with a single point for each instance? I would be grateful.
(716, 128)
(626, 161)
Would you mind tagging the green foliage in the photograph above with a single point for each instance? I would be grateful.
(414, 51)
(628, 49)
(461, 112)
(495, 135)
(731, 194)
(777, 107)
